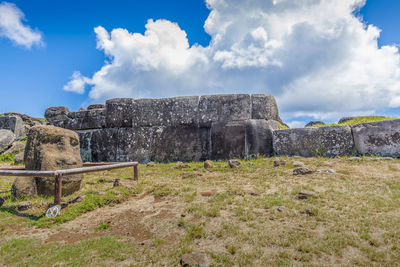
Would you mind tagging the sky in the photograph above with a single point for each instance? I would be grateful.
(321, 59)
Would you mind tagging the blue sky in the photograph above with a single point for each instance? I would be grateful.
(32, 79)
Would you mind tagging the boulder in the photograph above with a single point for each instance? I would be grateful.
(52, 148)
(378, 138)
(7, 137)
(301, 171)
(24, 187)
(195, 259)
(28, 120)
(19, 158)
(208, 164)
(175, 111)
(241, 138)
(15, 147)
(264, 106)
(14, 124)
(56, 115)
(99, 145)
(96, 106)
(119, 112)
(324, 141)
(86, 119)
(233, 163)
(180, 143)
(223, 108)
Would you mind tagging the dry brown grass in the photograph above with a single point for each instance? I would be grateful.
(250, 216)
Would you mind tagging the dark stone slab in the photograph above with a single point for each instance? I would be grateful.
(96, 106)
(165, 111)
(378, 138)
(223, 108)
(14, 124)
(56, 115)
(99, 145)
(134, 144)
(119, 112)
(87, 119)
(241, 139)
(324, 141)
(180, 143)
(264, 107)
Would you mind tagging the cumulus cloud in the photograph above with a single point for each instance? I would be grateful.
(11, 26)
(315, 56)
(77, 83)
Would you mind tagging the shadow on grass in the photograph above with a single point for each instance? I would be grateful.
(13, 211)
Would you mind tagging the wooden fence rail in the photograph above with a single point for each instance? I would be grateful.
(58, 174)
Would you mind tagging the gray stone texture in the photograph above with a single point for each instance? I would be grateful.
(134, 144)
(87, 119)
(224, 108)
(56, 115)
(179, 143)
(165, 111)
(14, 124)
(52, 148)
(119, 112)
(239, 139)
(379, 138)
(325, 141)
(24, 187)
(264, 106)
(96, 106)
(7, 137)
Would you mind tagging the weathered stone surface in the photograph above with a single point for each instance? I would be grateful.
(56, 115)
(241, 138)
(119, 112)
(7, 137)
(223, 108)
(182, 143)
(15, 147)
(87, 119)
(264, 107)
(165, 111)
(314, 123)
(26, 205)
(53, 148)
(325, 141)
(96, 106)
(301, 171)
(14, 124)
(134, 144)
(195, 259)
(381, 138)
(19, 158)
(24, 187)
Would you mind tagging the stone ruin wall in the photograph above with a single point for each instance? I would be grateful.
(212, 127)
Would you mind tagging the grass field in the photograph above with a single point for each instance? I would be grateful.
(255, 215)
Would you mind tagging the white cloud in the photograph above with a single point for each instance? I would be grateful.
(77, 83)
(315, 56)
(296, 124)
(11, 26)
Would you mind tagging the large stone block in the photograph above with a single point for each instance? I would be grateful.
(134, 144)
(119, 112)
(181, 143)
(14, 124)
(381, 138)
(241, 139)
(51, 148)
(264, 106)
(87, 119)
(165, 111)
(7, 137)
(223, 108)
(324, 141)
(56, 116)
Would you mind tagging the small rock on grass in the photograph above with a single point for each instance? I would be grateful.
(181, 165)
(24, 205)
(308, 212)
(297, 164)
(150, 164)
(301, 171)
(233, 163)
(1, 201)
(326, 171)
(19, 158)
(209, 193)
(354, 159)
(304, 195)
(195, 259)
(279, 163)
(208, 164)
